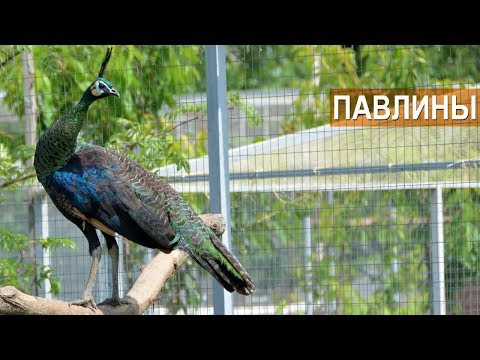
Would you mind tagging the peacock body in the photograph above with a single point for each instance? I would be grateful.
(96, 188)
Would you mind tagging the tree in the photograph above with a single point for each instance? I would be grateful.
(139, 127)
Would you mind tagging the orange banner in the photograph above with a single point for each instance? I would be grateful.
(404, 107)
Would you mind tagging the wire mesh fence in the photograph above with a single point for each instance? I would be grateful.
(326, 220)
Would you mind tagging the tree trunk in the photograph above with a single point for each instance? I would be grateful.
(31, 112)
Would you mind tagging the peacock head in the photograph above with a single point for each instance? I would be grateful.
(101, 87)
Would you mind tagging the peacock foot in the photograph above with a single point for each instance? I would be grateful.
(114, 301)
(85, 301)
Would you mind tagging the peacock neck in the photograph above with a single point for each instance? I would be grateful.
(57, 145)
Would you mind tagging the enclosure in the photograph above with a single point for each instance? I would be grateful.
(326, 219)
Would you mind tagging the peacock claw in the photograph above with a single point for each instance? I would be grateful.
(85, 302)
(114, 301)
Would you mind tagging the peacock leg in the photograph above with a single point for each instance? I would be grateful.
(87, 298)
(114, 255)
(96, 253)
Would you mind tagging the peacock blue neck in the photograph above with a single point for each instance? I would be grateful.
(57, 145)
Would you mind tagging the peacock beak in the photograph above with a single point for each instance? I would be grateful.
(114, 92)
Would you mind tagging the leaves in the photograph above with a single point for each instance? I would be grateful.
(10, 241)
(56, 242)
(253, 116)
(12, 170)
(8, 54)
(16, 271)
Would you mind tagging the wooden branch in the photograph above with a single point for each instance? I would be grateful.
(140, 297)
(21, 178)
(196, 117)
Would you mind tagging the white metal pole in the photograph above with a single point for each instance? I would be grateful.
(437, 254)
(45, 232)
(308, 266)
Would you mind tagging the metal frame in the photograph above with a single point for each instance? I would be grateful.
(437, 254)
(218, 157)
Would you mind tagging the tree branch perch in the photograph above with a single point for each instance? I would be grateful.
(141, 295)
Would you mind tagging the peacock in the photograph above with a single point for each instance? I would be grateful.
(96, 188)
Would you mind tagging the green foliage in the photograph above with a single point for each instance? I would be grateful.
(360, 242)
(266, 66)
(147, 78)
(364, 242)
(16, 269)
(375, 66)
(333, 66)
(182, 286)
(53, 242)
(9, 53)
(377, 238)
(462, 257)
(253, 116)
(12, 168)
(443, 63)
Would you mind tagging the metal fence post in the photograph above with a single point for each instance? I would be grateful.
(307, 228)
(437, 256)
(218, 157)
(45, 232)
(42, 231)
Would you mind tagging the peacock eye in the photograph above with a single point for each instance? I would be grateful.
(101, 86)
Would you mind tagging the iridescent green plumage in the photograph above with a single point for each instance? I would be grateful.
(97, 188)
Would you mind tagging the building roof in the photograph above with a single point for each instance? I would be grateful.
(346, 158)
